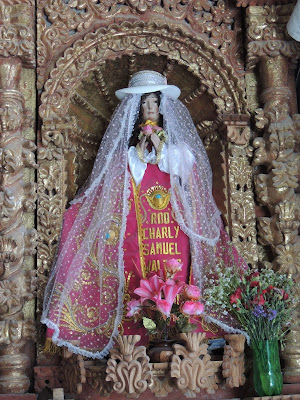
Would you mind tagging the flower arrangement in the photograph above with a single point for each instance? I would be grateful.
(261, 301)
(166, 302)
(150, 127)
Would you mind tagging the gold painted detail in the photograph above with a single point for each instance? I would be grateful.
(239, 188)
(77, 318)
(157, 197)
(112, 236)
(136, 194)
(267, 36)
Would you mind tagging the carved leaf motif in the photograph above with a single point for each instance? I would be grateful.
(233, 361)
(129, 367)
(238, 135)
(29, 196)
(7, 251)
(285, 175)
(73, 373)
(192, 366)
(9, 296)
(28, 155)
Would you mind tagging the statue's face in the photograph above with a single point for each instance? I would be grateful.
(150, 108)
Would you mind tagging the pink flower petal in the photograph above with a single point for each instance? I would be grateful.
(133, 307)
(164, 307)
(192, 308)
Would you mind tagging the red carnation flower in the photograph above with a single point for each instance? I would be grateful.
(236, 296)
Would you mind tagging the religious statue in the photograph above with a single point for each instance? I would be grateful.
(148, 199)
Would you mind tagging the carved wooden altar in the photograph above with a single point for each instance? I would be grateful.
(235, 65)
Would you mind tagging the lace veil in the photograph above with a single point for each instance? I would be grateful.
(104, 200)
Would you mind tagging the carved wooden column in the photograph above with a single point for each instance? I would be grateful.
(16, 242)
(240, 206)
(275, 159)
(17, 195)
(233, 367)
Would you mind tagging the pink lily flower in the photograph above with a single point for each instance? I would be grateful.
(164, 307)
(150, 289)
(133, 307)
(171, 290)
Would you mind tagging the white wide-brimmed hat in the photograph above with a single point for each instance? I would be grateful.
(148, 82)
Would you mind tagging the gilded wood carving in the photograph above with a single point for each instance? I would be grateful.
(62, 23)
(16, 242)
(197, 42)
(276, 160)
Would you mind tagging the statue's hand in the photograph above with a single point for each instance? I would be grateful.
(155, 140)
(143, 143)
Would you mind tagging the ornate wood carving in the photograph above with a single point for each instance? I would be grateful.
(246, 3)
(192, 366)
(201, 58)
(205, 46)
(96, 377)
(72, 372)
(267, 36)
(51, 194)
(17, 30)
(16, 197)
(239, 187)
(275, 158)
(233, 367)
(128, 367)
(62, 23)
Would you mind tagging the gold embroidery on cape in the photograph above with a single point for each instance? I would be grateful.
(126, 299)
(157, 197)
(69, 321)
(72, 310)
(112, 236)
(136, 193)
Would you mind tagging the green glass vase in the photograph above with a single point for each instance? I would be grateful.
(267, 375)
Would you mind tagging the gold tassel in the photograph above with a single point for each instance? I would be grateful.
(51, 347)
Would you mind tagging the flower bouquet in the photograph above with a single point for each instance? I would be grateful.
(165, 302)
(150, 127)
(262, 303)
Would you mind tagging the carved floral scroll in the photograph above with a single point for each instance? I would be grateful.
(276, 160)
(16, 242)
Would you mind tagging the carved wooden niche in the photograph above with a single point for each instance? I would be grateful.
(94, 102)
(78, 102)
